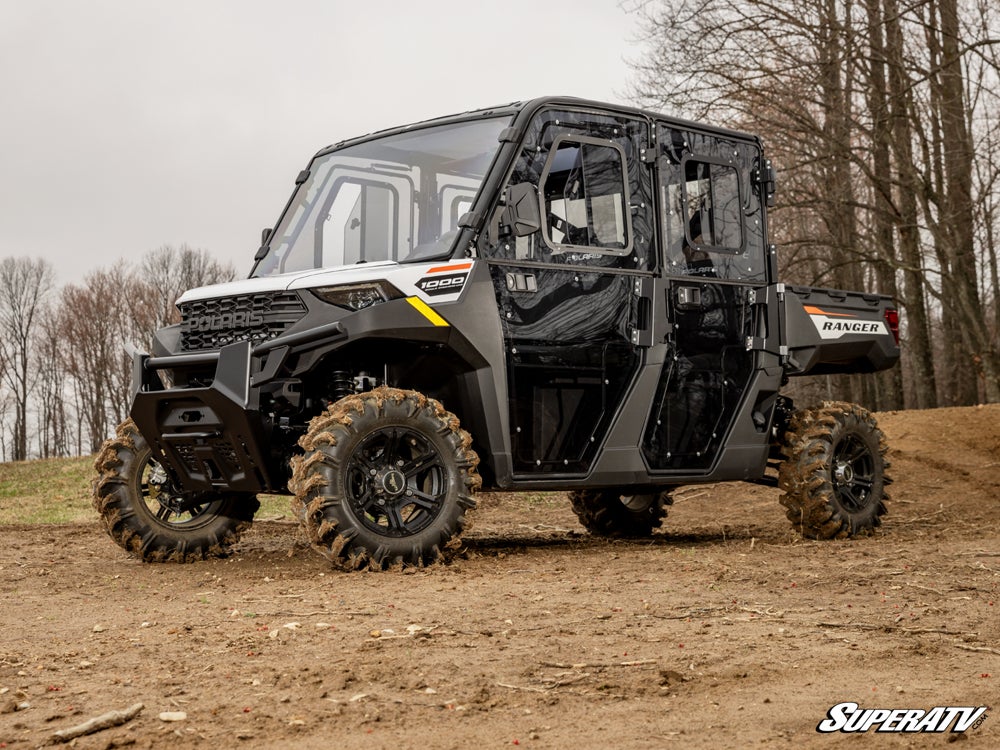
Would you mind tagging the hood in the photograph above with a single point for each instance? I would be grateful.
(314, 277)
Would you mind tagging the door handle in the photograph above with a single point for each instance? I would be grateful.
(522, 282)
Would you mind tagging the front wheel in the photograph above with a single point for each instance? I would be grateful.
(386, 479)
(834, 474)
(143, 512)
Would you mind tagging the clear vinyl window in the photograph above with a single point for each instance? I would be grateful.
(584, 197)
(362, 222)
(396, 197)
(712, 206)
(711, 211)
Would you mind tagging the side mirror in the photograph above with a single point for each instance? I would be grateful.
(522, 216)
(265, 235)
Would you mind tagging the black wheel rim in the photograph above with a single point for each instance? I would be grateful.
(853, 472)
(396, 482)
(637, 503)
(164, 503)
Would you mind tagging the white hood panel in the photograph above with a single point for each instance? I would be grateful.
(434, 282)
(285, 281)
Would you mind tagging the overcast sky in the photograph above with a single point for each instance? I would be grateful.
(129, 124)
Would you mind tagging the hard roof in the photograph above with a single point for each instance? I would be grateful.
(531, 105)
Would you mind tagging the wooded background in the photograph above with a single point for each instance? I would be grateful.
(883, 120)
(64, 374)
(881, 116)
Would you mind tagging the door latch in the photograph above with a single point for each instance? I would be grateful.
(522, 282)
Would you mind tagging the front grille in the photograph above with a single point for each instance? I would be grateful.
(214, 323)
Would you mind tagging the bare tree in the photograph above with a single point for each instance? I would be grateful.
(907, 186)
(24, 284)
(98, 318)
(889, 383)
(170, 271)
(948, 82)
(52, 413)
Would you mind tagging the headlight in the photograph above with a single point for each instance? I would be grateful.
(358, 296)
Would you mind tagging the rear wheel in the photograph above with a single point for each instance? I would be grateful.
(386, 479)
(834, 474)
(611, 513)
(145, 514)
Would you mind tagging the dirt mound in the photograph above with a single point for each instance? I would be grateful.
(723, 630)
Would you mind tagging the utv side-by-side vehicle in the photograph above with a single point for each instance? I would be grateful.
(549, 295)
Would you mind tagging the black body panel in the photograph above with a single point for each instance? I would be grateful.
(829, 331)
(211, 437)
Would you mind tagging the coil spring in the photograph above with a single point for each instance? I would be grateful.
(341, 385)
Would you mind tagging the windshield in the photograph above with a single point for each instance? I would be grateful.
(393, 198)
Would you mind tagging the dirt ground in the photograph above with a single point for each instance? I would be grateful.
(724, 630)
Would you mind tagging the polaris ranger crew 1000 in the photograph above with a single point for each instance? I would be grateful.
(549, 295)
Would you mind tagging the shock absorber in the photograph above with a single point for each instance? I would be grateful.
(341, 384)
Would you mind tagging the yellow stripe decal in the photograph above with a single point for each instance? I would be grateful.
(424, 309)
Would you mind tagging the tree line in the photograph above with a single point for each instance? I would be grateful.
(64, 374)
(883, 119)
(882, 116)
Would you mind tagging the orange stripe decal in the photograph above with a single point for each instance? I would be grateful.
(817, 311)
(445, 269)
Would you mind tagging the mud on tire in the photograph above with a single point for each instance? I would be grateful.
(386, 479)
(612, 513)
(148, 518)
(834, 472)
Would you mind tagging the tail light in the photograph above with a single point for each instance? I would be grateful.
(892, 320)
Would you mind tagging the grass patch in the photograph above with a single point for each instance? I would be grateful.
(57, 490)
(273, 506)
(52, 490)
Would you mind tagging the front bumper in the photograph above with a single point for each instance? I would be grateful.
(209, 437)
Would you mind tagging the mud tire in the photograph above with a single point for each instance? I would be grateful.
(130, 511)
(610, 513)
(385, 480)
(835, 472)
